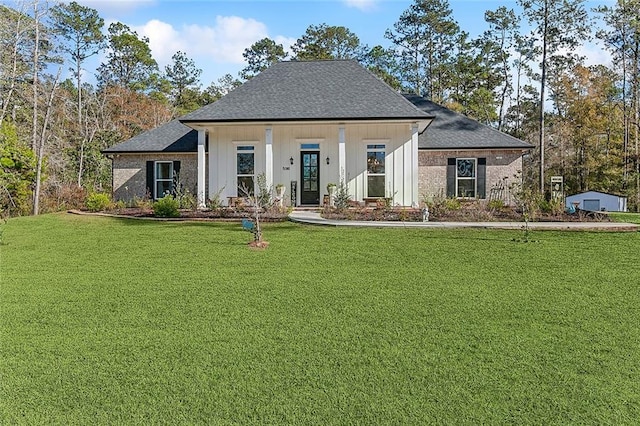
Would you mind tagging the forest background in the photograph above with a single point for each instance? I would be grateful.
(524, 75)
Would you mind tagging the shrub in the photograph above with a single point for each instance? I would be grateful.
(215, 202)
(264, 198)
(97, 202)
(56, 197)
(496, 204)
(166, 207)
(119, 205)
(342, 196)
(452, 204)
(554, 207)
(187, 200)
(142, 202)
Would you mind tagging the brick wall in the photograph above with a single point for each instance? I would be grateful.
(130, 175)
(501, 164)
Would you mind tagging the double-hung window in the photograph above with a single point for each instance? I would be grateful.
(163, 178)
(466, 177)
(375, 170)
(245, 169)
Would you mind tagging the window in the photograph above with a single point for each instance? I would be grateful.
(375, 170)
(466, 177)
(245, 169)
(163, 178)
(309, 146)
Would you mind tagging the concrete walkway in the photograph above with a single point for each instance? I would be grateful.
(314, 218)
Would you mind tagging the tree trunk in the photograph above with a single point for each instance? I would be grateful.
(543, 77)
(81, 132)
(12, 78)
(43, 138)
(36, 60)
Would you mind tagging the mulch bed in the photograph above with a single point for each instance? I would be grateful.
(217, 214)
(465, 214)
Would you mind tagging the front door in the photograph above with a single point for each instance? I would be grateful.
(310, 177)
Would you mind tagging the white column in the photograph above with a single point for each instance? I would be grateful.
(202, 138)
(212, 180)
(342, 155)
(268, 156)
(414, 165)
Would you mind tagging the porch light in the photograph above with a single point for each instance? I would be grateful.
(291, 161)
(328, 160)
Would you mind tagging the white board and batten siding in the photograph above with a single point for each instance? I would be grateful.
(399, 154)
(287, 140)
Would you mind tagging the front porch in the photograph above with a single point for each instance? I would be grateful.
(306, 158)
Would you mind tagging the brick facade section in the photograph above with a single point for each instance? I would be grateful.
(502, 168)
(130, 175)
(129, 171)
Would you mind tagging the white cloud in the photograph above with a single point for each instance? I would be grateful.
(230, 36)
(364, 5)
(595, 54)
(286, 43)
(164, 40)
(224, 42)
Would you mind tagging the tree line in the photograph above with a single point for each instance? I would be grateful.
(523, 75)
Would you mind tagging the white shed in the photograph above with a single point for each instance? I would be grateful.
(598, 201)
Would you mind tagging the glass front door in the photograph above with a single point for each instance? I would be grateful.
(310, 177)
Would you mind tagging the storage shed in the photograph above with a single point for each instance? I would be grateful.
(598, 201)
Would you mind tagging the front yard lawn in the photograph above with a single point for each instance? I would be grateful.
(120, 321)
(625, 217)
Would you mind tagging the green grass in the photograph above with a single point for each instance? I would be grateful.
(108, 321)
(625, 217)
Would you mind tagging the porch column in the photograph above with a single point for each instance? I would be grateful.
(342, 155)
(202, 137)
(212, 179)
(268, 156)
(414, 165)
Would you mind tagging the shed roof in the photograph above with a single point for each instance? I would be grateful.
(593, 193)
(452, 130)
(310, 90)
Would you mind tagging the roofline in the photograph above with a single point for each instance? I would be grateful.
(600, 192)
(309, 119)
(474, 148)
(107, 152)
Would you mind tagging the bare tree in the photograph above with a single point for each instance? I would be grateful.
(41, 143)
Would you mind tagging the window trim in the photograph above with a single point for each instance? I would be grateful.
(474, 178)
(245, 147)
(375, 146)
(156, 179)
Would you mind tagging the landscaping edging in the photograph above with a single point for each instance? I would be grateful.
(172, 219)
(314, 218)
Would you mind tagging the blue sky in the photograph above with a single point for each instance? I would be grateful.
(215, 33)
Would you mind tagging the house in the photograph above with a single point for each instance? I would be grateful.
(597, 201)
(305, 124)
(459, 157)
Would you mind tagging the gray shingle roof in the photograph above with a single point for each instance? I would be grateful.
(310, 90)
(171, 137)
(451, 130)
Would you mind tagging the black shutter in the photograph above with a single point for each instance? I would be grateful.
(482, 178)
(176, 178)
(451, 177)
(150, 179)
